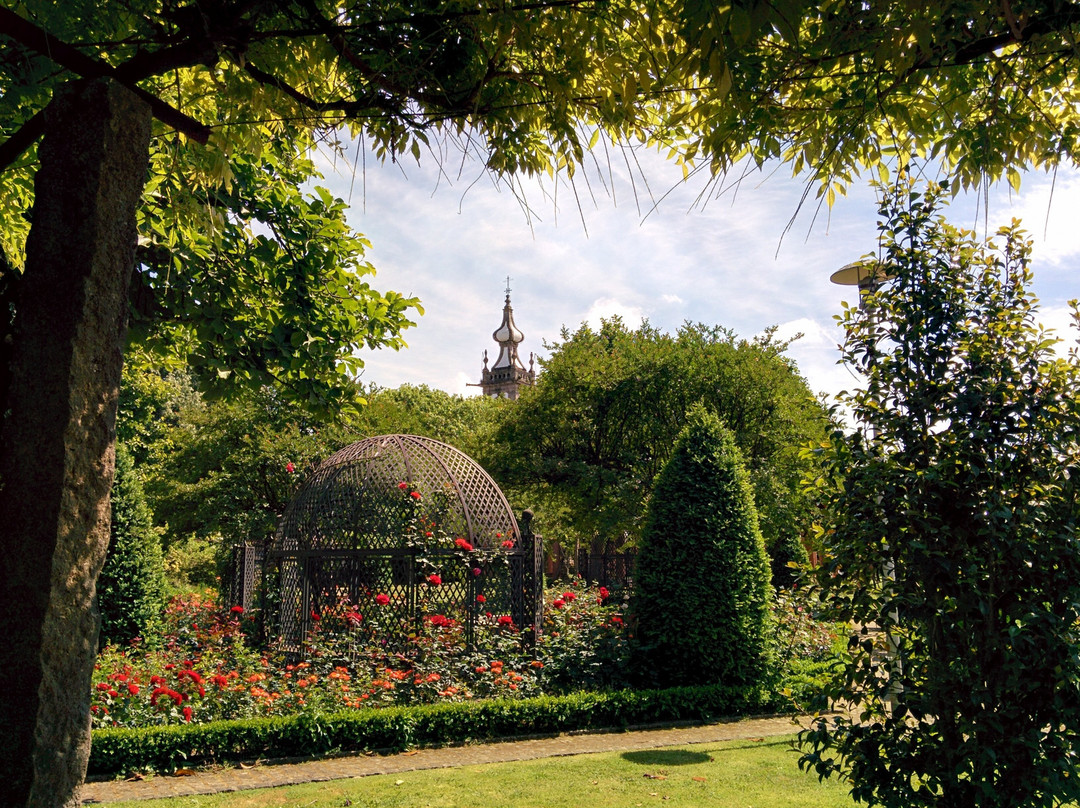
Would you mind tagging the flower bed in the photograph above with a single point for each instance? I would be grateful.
(205, 670)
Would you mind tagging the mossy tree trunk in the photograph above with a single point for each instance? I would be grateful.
(57, 446)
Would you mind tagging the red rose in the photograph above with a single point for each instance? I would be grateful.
(237, 610)
(403, 485)
(434, 580)
(133, 688)
(289, 467)
(508, 544)
(604, 592)
(506, 620)
(382, 599)
(559, 603)
(481, 599)
(570, 595)
(464, 545)
(187, 714)
(414, 494)
(354, 617)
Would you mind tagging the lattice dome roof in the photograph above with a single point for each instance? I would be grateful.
(355, 499)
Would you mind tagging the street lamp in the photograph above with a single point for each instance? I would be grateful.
(867, 275)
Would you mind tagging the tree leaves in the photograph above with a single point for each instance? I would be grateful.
(950, 535)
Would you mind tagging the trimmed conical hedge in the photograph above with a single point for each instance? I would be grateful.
(131, 587)
(701, 593)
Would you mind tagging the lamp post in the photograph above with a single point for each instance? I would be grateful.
(868, 275)
(865, 274)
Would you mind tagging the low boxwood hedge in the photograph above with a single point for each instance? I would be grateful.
(392, 729)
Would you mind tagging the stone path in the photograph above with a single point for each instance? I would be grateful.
(283, 774)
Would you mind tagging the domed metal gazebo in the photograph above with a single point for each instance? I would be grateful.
(400, 527)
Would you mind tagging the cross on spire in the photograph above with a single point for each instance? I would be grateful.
(508, 285)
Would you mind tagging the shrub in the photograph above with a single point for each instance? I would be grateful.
(397, 728)
(701, 600)
(131, 586)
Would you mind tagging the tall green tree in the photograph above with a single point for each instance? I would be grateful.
(220, 473)
(587, 442)
(952, 529)
(701, 592)
(131, 587)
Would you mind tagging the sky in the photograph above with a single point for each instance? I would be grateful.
(670, 253)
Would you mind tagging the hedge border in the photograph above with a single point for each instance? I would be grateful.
(118, 751)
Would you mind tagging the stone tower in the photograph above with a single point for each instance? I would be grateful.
(507, 375)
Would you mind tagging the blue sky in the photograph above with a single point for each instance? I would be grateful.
(451, 237)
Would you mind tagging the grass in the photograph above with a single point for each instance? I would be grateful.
(733, 774)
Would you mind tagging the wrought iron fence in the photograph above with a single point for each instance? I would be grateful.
(610, 569)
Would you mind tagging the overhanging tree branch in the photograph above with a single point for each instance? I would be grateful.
(34, 38)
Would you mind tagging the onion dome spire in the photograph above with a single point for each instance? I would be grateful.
(507, 374)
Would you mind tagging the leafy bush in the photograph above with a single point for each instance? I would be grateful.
(584, 641)
(701, 602)
(131, 586)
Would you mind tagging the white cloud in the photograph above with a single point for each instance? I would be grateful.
(606, 308)
(1048, 209)
(731, 261)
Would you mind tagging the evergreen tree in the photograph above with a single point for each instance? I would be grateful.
(131, 587)
(701, 599)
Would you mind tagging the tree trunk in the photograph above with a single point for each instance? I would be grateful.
(57, 446)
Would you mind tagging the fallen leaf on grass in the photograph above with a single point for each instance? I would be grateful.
(698, 779)
(655, 776)
(409, 754)
(756, 740)
(135, 777)
(183, 773)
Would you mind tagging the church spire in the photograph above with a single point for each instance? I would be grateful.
(506, 376)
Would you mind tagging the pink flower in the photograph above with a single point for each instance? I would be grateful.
(464, 545)
(289, 467)
(382, 599)
(476, 572)
(414, 494)
(434, 580)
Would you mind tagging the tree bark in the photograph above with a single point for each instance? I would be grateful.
(57, 447)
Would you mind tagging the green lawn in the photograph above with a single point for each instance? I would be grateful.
(736, 774)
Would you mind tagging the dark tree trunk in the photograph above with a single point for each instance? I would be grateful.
(57, 447)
